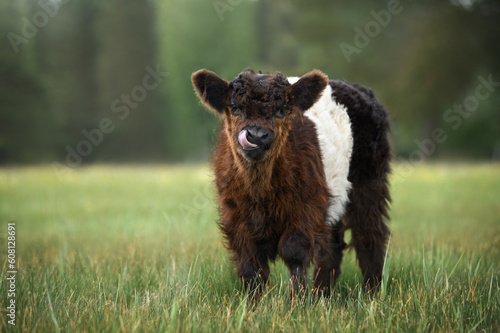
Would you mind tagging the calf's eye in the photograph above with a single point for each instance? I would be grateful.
(282, 111)
(235, 110)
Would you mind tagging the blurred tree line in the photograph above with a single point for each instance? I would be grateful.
(89, 80)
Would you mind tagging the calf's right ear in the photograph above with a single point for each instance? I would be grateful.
(211, 89)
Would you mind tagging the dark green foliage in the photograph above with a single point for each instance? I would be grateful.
(85, 55)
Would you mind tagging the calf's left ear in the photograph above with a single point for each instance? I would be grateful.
(211, 89)
(307, 90)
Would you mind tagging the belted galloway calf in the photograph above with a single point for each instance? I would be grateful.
(298, 162)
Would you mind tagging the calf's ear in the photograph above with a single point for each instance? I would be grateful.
(211, 89)
(307, 90)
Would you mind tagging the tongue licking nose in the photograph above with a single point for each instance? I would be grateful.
(242, 139)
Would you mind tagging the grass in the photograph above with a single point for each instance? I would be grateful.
(136, 249)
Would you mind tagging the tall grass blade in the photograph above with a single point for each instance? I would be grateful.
(52, 314)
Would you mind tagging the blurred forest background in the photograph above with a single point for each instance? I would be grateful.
(85, 81)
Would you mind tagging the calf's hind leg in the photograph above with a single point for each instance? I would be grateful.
(365, 216)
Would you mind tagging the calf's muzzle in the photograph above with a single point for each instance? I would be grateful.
(255, 141)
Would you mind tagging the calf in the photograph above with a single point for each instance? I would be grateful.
(298, 162)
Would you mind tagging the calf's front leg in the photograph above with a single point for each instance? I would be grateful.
(253, 274)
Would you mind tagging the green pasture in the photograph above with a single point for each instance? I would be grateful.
(137, 249)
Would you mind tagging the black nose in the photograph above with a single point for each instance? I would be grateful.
(260, 135)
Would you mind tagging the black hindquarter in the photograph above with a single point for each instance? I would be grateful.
(368, 173)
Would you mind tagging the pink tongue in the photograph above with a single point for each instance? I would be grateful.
(242, 139)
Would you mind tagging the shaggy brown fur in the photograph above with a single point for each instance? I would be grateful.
(273, 199)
